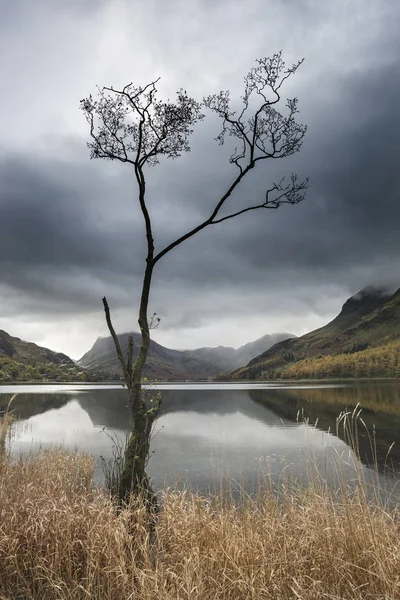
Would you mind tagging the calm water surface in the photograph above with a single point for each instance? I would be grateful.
(208, 433)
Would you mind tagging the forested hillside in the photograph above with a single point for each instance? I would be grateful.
(362, 341)
(25, 361)
(382, 361)
(12, 370)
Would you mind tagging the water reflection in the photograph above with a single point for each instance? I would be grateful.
(379, 428)
(206, 434)
(26, 405)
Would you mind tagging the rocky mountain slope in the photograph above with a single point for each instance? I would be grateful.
(26, 361)
(225, 358)
(22, 351)
(368, 320)
(165, 363)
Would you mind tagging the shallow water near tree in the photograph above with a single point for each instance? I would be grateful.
(213, 436)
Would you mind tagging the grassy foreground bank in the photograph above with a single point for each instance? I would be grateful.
(60, 538)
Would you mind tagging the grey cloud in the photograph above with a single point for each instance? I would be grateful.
(69, 228)
(352, 212)
(54, 224)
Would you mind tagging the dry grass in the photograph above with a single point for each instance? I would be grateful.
(61, 539)
(5, 423)
(6, 419)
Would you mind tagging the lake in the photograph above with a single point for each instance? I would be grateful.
(208, 434)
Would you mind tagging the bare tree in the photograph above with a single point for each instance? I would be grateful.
(132, 126)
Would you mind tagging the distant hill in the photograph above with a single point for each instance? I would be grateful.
(162, 363)
(165, 363)
(225, 358)
(25, 361)
(15, 348)
(366, 331)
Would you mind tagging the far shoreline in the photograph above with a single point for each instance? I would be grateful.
(120, 382)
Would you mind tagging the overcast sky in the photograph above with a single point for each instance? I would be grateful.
(70, 230)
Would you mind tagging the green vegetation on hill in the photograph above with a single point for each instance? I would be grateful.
(27, 352)
(12, 371)
(362, 341)
(382, 361)
(25, 361)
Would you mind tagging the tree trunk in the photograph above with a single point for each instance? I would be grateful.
(134, 479)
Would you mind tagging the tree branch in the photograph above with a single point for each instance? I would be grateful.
(143, 206)
(293, 193)
(208, 221)
(116, 341)
(129, 356)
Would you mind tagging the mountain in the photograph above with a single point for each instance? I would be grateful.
(164, 363)
(368, 320)
(225, 358)
(252, 349)
(21, 351)
(25, 361)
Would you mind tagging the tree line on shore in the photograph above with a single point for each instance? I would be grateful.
(13, 370)
(380, 361)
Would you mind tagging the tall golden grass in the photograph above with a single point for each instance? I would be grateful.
(60, 538)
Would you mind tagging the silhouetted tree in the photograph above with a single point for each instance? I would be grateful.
(133, 126)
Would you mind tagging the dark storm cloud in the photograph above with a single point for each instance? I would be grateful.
(70, 230)
(351, 215)
(58, 219)
(56, 234)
